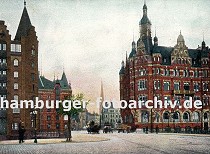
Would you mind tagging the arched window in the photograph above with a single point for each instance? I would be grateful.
(157, 117)
(144, 117)
(15, 85)
(205, 116)
(176, 117)
(15, 62)
(16, 97)
(130, 118)
(186, 117)
(196, 116)
(165, 117)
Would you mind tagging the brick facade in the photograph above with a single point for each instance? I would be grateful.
(169, 73)
(19, 72)
(50, 120)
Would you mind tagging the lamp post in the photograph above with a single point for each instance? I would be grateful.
(33, 114)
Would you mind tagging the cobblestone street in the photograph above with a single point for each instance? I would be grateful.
(119, 143)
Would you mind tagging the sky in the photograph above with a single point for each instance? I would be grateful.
(88, 39)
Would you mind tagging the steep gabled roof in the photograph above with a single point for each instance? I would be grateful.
(45, 83)
(24, 25)
(64, 82)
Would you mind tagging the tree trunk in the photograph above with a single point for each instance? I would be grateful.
(69, 129)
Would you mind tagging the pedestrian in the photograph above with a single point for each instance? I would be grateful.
(147, 130)
(21, 132)
(156, 129)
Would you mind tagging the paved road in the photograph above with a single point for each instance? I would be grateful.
(134, 143)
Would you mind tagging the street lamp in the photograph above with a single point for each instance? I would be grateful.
(33, 114)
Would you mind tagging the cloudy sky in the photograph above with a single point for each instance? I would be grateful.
(89, 38)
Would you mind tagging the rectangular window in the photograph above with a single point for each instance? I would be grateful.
(48, 118)
(4, 61)
(57, 125)
(178, 100)
(18, 48)
(16, 97)
(15, 74)
(205, 86)
(142, 85)
(15, 126)
(15, 85)
(4, 84)
(32, 52)
(176, 86)
(4, 73)
(4, 47)
(157, 85)
(166, 86)
(196, 87)
(196, 74)
(15, 48)
(16, 110)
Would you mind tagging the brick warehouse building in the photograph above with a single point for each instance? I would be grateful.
(18, 73)
(169, 73)
(50, 121)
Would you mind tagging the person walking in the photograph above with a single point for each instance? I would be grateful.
(147, 130)
(156, 129)
(21, 132)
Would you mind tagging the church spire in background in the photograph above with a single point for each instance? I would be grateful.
(102, 96)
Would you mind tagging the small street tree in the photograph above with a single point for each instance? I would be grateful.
(72, 112)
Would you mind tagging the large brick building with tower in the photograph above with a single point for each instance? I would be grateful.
(18, 73)
(169, 73)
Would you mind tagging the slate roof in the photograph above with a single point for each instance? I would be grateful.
(24, 25)
(44, 83)
(64, 82)
(122, 70)
(145, 20)
(132, 54)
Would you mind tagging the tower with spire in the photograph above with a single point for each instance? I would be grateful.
(145, 30)
(21, 71)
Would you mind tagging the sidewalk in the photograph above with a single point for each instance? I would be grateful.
(76, 138)
(184, 134)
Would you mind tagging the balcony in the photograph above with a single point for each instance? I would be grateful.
(3, 113)
(183, 92)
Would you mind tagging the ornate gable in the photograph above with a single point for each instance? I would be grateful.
(180, 53)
